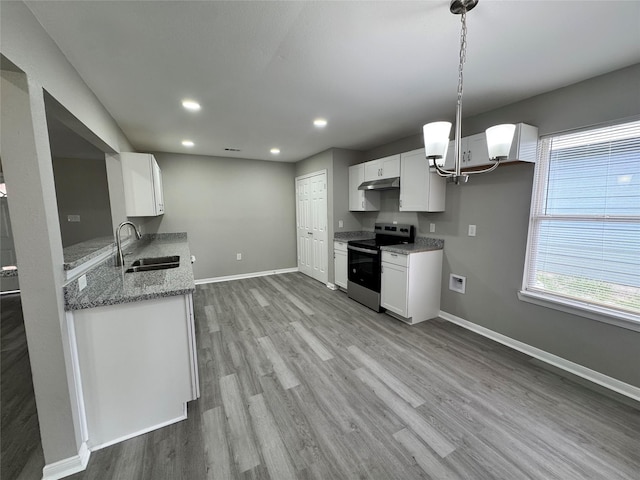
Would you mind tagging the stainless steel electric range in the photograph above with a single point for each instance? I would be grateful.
(364, 262)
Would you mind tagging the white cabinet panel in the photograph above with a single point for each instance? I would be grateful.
(412, 292)
(137, 365)
(421, 188)
(386, 167)
(394, 288)
(142, 179)
(359, 200)
(340, 264)
(475, 153)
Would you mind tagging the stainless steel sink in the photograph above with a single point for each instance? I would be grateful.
(154, 263)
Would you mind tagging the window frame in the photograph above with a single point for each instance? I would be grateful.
(547, 299)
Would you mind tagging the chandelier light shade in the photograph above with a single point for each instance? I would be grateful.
(436, 141)
(436, 134)
(499, 138)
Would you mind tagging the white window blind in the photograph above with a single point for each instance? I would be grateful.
(584, 229)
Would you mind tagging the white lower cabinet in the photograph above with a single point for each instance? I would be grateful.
(411, 284)
(340, 264)
(137, 365)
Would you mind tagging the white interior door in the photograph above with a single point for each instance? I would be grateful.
(303, 215)
(311, 213)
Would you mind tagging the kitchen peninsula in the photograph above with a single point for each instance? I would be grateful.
(135, 341)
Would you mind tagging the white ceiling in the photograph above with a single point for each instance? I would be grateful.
(376, 70)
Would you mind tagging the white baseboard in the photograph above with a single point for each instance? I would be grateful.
(245, 275)
(68, 466)
(598, 378)
(332, 286)
(141, 432)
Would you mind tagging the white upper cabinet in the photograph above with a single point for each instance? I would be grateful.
(421, 189)
(359, 200)
(142, 178)
(387, 167)
(475, 154)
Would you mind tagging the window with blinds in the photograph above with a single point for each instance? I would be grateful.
(584, 229)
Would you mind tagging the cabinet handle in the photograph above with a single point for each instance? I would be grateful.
(381, 268)
(393, 254)
(469, 155)
(400, 203)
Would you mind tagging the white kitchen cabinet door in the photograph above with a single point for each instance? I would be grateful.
(386, 167)
(410, 288)
(142, 179)
(340, 264)
(372, 170)
(394, 288)
(421, 188)
(359, 200)
(390, 166)
(137, 364)
(475, 153)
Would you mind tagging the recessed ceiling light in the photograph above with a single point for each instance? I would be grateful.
(320, 122)
(187, 143)
(275, 151)
(191, 105)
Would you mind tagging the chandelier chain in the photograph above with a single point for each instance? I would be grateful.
(463, 52)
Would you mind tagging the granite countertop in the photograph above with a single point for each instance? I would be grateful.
(76, 255)
(422, 244)
(110, 285)
(346, 236)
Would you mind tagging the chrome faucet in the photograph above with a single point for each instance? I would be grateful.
(119, 255)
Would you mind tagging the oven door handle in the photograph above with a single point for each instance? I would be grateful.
(362, 250)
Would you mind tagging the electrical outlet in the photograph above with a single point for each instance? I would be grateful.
(238, 256)
(340, 224)
(73, 218)
(82, 283)
(432, 228)
(472, 230)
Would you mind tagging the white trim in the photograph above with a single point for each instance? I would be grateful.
(77, 377)
(142, 432)
(242, 276)
(68, 466)
(332, 286)
(592, 312)
(601, 379)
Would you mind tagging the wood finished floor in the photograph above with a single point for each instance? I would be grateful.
(21, 454)
(299, 382)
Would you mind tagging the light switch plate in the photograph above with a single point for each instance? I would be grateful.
(432, 228)
(472, 230)
(238, 256)
(340, 224)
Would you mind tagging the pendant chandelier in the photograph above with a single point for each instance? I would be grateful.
(436, 134)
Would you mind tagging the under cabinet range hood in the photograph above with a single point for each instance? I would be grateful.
(382, 184)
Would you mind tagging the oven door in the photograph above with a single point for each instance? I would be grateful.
(364, 267)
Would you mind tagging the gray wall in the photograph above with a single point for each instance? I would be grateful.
(498, 203)
(82, 189)
(230, 206)
(28, 172)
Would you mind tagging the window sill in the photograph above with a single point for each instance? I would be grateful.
(600, 314)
